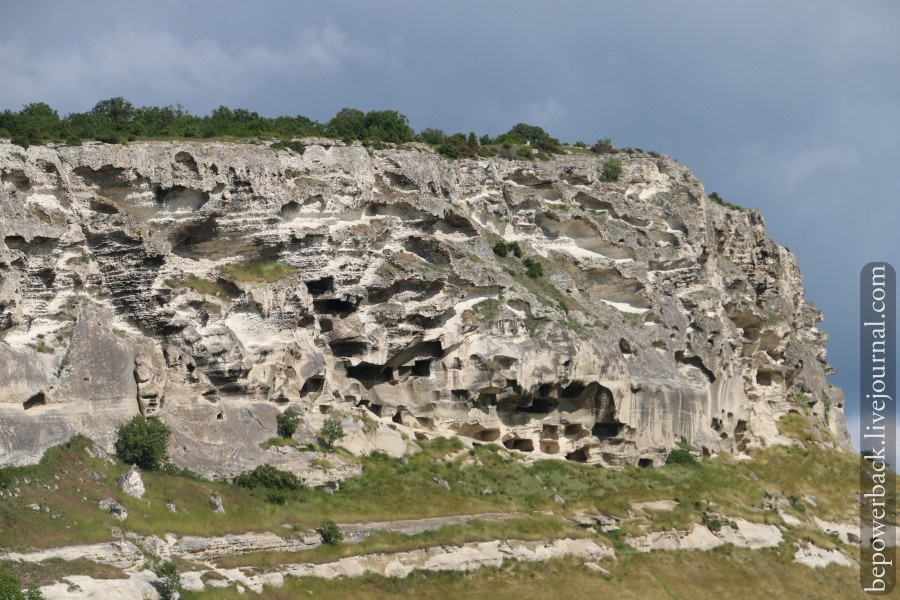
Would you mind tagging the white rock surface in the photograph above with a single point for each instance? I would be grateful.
(814, 557)
(744, 535)
(139, 586)
(131, 483)
(464, 557)
(123, 554)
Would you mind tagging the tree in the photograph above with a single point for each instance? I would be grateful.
(171, 582)
(287, 423)
(331, 432)
(529, 133)
(387, 126)
(348, 123)
(603, 146)
(331, 533)
(430, 135)
(142, 441)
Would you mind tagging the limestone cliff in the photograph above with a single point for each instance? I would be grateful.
(215, 284)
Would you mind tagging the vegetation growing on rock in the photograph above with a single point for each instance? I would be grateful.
(287, 423)
(142, 441)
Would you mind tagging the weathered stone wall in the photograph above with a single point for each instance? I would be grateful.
(661, 315)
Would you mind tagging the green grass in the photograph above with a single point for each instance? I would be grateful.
(198, 284)
(42, 347)
(248, 272)
(389, 489)
(488, 309)
(279, 442)
(53, 570)
(725, 572)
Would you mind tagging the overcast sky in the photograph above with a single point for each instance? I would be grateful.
(791, 108)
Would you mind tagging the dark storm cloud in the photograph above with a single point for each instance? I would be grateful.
(792, 108)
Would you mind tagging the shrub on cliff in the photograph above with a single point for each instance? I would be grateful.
(533, 268)
(142, 442)
(287, 423)
(612, 169)
(331, 432)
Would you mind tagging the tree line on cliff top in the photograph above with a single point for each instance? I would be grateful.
(117, 120)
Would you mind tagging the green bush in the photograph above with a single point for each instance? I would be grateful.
(680, 456)
(331, 533)
(277, 485)
(612, 169)
(11, 589)
(533, 268)
(142, 441)
(287, 423)
(331, 432)
(503, 248)
(289, 145)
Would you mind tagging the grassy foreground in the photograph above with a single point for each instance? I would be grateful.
(806, 480)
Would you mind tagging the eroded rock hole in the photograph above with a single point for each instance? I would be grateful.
(549, 446)
(645, 463)
(575, 431)
(187, 161)
(333, 306)
(520, 444)
(540, 406)
(321, 286)
(38, 399)
(312, 385)
(18, 179)
(369, 374)
(580, 455)
(479, 432)
(347, 349)
(607, 430)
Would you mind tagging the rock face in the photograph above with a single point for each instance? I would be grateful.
(215, 285)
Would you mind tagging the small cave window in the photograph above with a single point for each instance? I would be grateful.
(580, 455)
(320, 286)
(38, 399)
(645, 463)
(312, 385)
(520, 444)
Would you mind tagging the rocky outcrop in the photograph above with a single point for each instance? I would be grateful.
(131, 483)
(739, 532)
(465, 557)
(215, 285)
(121, 554)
